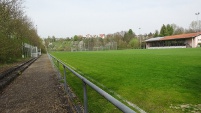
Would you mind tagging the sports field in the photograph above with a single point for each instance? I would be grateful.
(165, 80)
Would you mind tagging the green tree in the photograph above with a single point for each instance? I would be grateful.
(130, 31)
(122, 44)
(53, 38)
(134, 43)
(169, 30)
(156, 34)
(166, 30)
(75, 38)
(128, 36)
(150, 35)
(163, 31)
(118, 38)
(15, 29)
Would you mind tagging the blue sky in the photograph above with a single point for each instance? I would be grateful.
(66, 18)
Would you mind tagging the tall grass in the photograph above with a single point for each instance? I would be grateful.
(154, 80)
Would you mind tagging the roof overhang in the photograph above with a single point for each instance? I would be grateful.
(154, 39)
(174, 37)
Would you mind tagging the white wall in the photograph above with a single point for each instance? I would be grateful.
(198, 40)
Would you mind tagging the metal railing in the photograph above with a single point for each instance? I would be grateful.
(86, 82)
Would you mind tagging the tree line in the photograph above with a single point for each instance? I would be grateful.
(173, 29)
(15, 29)
(120, 40)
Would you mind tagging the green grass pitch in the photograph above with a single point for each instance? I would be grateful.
(163, 80)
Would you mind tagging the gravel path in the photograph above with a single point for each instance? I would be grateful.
(36, 90)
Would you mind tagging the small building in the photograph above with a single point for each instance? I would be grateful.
(30, 51)
(34, 52)
(88, 36)
(102, 35)
(26, 50)
(190, 40)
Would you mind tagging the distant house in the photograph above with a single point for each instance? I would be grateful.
(89, 36)
(102, 35)
(190, 40)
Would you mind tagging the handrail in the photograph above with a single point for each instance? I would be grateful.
(111, 99)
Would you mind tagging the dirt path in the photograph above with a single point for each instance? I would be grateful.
(35, 91)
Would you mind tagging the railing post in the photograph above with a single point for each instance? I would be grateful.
(85, 97)
(65, 84)
(86, 82)
(58, 64)
(53, 60)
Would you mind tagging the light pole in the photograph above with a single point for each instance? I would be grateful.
(140, 38)
(198, 23)
(36, 29)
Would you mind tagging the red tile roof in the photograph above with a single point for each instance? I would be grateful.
(102, 35)
(181, 36)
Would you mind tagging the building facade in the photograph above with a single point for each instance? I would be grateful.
(190, 40)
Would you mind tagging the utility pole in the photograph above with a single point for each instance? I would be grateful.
(36, 29)
(198, 23)
(140, 37)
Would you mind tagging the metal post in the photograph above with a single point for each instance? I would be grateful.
(58, 64)
(65, 84)
(140, 37)
(85, 97)
(111, 99)
(197, 21)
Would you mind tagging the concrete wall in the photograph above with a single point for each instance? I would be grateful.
(166, 47)
(188, 42)
(197, 40)
(147, 45)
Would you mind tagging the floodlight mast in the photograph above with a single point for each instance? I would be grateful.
(140, 37)
(198, 23)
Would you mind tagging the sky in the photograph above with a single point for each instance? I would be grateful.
(66, 18)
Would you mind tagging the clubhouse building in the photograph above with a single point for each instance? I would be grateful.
(190, 40)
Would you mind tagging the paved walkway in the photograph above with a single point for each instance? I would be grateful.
(36, 90)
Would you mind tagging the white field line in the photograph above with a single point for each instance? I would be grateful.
(111, 91)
